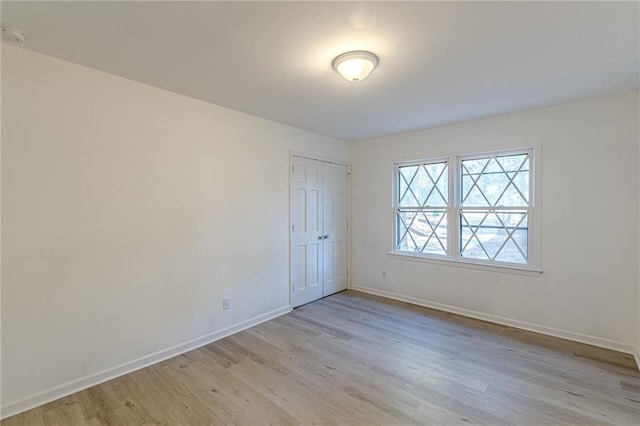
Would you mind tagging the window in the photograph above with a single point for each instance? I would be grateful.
(476, 208)
(423, 200)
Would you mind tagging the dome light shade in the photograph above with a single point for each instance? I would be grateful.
(355, 66)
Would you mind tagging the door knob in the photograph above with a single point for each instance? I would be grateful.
(320, 237)
(325, 236)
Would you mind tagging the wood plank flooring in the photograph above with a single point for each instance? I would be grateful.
(358, 359)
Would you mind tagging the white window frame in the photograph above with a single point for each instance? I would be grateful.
(448, 208)
(453, 256)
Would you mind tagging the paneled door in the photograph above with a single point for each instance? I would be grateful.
(318, 229)
(334, 226)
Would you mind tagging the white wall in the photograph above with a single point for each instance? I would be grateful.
(128, 213)
(637, 353)
(589, 222)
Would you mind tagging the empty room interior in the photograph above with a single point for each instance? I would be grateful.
(356, 213)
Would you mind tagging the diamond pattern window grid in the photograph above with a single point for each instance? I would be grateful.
(425, 185)
(495, 181)
(423, 231)
(494, 235)
(421, 220)
(487, 184)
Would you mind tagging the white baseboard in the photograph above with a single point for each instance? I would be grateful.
(89, 380)
(564, 334)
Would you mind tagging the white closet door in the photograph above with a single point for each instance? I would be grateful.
(334, 228)
(306, 231)
(318, 230)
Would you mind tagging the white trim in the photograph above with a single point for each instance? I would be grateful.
(318, 158)
(447, 161)
(349, 227)
(534, 261)
(507, 269)
(90, 380)
(307, 156)
(532, 246)
(523, 325)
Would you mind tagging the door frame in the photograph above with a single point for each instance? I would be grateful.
(324, 159)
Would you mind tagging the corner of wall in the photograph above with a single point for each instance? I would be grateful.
(79, 384)
(637, 352)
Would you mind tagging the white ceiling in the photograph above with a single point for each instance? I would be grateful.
(439, 62)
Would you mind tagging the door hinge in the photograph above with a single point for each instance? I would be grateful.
(293, 228)
(293, 167)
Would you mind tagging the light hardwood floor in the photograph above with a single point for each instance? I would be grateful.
(357, 359)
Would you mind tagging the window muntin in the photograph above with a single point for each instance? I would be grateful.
(500, 236)
(421, 208)
(487, 221)
(495, 194)
(495, 181)
(423, 185)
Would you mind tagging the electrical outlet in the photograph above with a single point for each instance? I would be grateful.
(384, 274)
(226, 303)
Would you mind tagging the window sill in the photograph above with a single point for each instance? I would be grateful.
(470, 265)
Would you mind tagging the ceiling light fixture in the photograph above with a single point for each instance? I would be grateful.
(355, 66)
